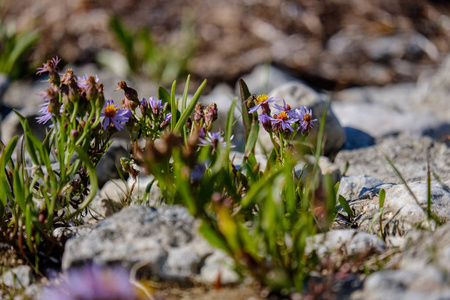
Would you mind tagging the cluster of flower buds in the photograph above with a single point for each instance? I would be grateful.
(67, 92)
(204, 117)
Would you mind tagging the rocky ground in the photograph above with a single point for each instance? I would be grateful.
(386, 101)
(407, 122)
(330, 44)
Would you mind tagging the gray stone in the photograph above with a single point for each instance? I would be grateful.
(296, 95)
(424, 248)
(409, 155)
(352, 187)
(265, 78)
(72, 231)
(427, 283)
(11, 126)
(348, 241)
(18, 277)
(401, 212)
(434, 91)
(378, 120)
(218, 264)
(163, 240)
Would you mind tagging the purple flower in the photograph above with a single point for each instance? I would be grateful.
(45, 110)
(286, 108)
(305, 119)
(92, 282)
(166, 121)
(156, 105)
(263, 101)
(214, 139)
(282, 122)
(114, 115)
(265, 121)
(50, 66)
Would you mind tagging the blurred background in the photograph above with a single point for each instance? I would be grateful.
(330, 44)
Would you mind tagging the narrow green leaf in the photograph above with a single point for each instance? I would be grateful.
(375, 218)
(190, 108)
(27, 131)
(345, 206)
(213, 237)
(381, 197)
(260, 186)
(19, 189)
(229, 125)
(252, 139)
(185, 94)
(245, 94)
(173, 106)
(29, 227)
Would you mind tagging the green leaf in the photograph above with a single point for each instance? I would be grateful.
(245, 94)
(229, 125)
(213, 237)
(29, 227)
(345, 206)
(28, 134)
(375, 217)
(185, 114)
(163, 95)
(252, 139)
(185, 94)
(5, 157)
(381, 197)
(173, 106)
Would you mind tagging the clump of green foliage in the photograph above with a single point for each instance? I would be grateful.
(14, 49)
(143, 55)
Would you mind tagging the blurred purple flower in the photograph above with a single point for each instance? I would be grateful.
(214, 139)
(305, 119)
(156, 105)
(114, 115)
(166, 120)
(92, 283)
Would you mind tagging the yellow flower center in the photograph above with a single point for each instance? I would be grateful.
(110, 111)
(307, 118)
(282, 116)
(262, 98)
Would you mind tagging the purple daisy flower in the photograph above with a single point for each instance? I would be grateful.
(263, 101)
(282, 121)
(214, 139)
(114, 115)
(305, 119)
(92, 282)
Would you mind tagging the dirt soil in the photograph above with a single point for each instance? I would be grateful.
(330, 44)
